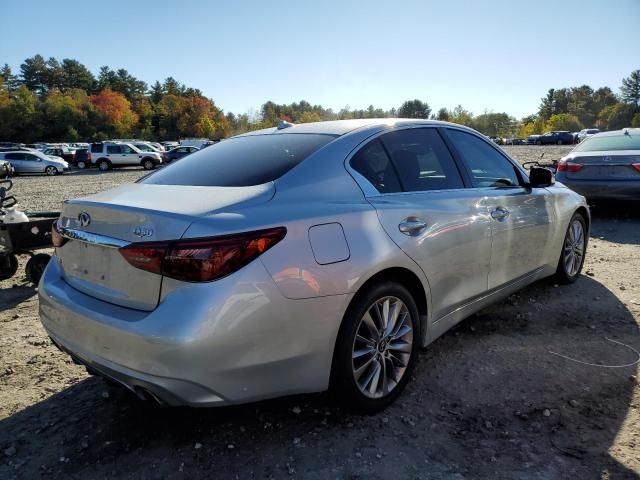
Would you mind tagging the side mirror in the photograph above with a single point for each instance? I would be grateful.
(541, 177)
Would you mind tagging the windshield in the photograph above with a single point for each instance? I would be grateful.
(609, 142)
(241, 161)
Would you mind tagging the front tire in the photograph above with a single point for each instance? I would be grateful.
(376, 348)
(573, 251)
(51, 171)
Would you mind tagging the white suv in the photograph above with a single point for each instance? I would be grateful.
(108, 155)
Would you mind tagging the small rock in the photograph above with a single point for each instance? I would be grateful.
(296, 441)
(105, 395)
(555, 285)
(296, 410)
(574, 403)
(622, 287)
(197, 446)
(378, 456)
(231, 446)
(632, 378)
(590, 273)
(546, 412)
(10, 452)
(358, 455)
(597, 299)
(349, 425)
(488, 424)
(84, 444)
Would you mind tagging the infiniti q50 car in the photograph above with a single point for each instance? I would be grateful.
(301, 258)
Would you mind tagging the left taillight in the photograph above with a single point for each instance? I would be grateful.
(566, 166)
(56, 236)
(636, 166)
(202, 259)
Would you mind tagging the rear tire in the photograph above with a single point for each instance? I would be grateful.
(8, 266)
(560, 142)
(35, 267)
(104, 165)
(538, 142)
(574, 249)
(81, 164)
(372, 362)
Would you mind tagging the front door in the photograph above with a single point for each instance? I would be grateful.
(423, 205)
(521, 217)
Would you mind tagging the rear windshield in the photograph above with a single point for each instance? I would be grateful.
(609, 142)
(241, 161)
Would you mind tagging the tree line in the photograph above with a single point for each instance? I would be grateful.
(53, 100)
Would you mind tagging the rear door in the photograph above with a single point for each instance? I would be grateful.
(521, 218)
(17, 160)
(423, 205)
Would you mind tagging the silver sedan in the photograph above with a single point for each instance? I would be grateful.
(604, 166)
(301, 258)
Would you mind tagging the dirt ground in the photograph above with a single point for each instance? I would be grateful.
(488, 399)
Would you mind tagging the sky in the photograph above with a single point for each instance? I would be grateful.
(489, 55)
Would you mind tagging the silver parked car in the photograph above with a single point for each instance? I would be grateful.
(34, 161)
(605, 165)
(292, 259)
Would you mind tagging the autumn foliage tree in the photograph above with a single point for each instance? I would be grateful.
(115, 114)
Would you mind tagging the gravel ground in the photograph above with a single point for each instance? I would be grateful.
(488, 399)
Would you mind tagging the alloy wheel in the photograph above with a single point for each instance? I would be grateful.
(382, 347)
(574, 248)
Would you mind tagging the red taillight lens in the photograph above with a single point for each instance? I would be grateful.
(202, 259)
(89, 156)
(636, 166)
(56, 237)
(564, 166)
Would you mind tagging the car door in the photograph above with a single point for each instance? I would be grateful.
(32, 163)
(423, 205)
(114, 154)
(17, 160)
(130, 156)
(521, 217)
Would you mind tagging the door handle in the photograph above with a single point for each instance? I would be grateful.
(499, 213)
(412, 226)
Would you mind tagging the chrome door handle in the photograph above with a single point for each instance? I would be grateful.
(412, 226)
(499, 213)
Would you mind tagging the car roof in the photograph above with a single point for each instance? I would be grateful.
(341, 127)
(614, 133)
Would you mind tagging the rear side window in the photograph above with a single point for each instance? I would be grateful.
(96, 148)
(373, 163)
(113, 148)
(487, 166)
(14, 156)
(241, 161)
(422, 160)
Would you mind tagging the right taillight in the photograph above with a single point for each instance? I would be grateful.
(89, 156)
(566, 166)
(636, 166)
(202, 259)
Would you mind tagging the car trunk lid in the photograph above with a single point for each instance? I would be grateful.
(599, 166)
(97, 226)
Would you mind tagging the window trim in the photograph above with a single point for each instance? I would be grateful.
(519, 170)
(370, 190)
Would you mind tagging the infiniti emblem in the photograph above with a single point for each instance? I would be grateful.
(84, 218)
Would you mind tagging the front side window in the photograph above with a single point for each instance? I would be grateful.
(487, 166)
(422, 160)
(126, 149)
(31, 158)
(372, 162)
(241, 161)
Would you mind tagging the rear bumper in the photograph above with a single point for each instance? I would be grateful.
(226, 342)
(614, 189)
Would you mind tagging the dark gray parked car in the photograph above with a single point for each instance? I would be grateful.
(178, 152)
(606, 165)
